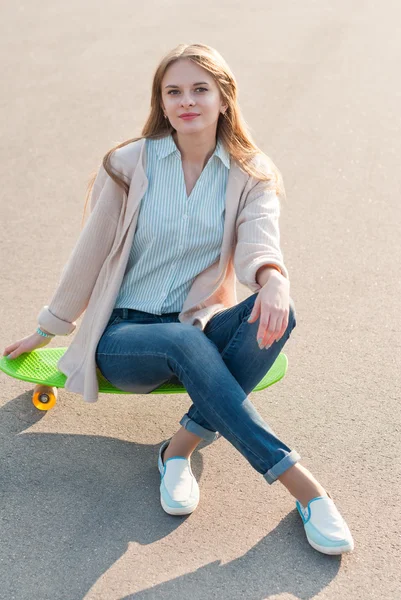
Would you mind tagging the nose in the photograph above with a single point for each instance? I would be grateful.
(187, 100)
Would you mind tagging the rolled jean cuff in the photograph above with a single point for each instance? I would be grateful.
(284, 464)
(194, 427)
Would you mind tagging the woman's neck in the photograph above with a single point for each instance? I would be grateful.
(195, 149)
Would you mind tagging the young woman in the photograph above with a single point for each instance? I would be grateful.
(176, 214)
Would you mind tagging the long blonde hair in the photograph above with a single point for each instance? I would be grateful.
(231, 127)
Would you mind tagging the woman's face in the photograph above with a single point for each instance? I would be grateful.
(188, 88)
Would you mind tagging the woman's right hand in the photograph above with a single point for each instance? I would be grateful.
(26, 344)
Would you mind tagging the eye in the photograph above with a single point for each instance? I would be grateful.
(199, 88)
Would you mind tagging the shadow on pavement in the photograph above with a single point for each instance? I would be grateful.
(71, 504)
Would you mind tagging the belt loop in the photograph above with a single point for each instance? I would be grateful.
(125, 313)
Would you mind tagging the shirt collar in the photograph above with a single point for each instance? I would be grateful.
(166, 146)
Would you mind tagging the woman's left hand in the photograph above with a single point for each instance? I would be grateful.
(272, 305)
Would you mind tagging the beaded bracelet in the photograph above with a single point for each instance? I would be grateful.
(43, 334)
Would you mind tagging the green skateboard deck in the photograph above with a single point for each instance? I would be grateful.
(40, 367)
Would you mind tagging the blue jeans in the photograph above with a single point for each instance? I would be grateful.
(218, 367)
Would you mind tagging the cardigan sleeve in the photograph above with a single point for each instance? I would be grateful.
(258, 235)
(94, 243)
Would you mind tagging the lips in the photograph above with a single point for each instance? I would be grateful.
(189, 115)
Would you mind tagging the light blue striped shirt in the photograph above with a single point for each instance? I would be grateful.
(176, 237)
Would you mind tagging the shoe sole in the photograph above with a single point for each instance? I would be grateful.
(332, 551)
(187, 510)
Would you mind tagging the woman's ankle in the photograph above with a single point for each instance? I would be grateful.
(301, 484)
(183, 443)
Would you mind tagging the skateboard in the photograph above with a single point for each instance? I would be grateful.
(40, 367)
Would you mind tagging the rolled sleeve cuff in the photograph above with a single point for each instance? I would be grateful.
(48, 321)
(253, 268)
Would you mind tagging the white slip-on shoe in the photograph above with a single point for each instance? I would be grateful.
(179, 490)
(325, 528)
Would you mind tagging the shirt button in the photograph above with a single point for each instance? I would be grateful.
(185, 217)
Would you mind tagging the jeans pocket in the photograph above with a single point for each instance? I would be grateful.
(114, 320)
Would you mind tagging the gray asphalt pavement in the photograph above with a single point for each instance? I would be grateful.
(320, 88)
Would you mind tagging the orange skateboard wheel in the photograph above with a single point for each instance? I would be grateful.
(44, 397)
